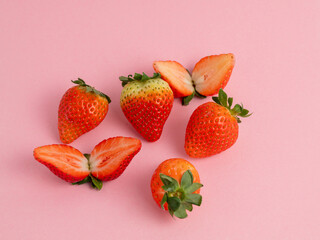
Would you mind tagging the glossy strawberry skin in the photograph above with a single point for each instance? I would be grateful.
(210, 130)
(174, 167)
(147, 106)
(80, 112)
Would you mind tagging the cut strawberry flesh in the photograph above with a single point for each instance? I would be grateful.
(110, 158)
(176, 75)
(64, 161)
(212, 73)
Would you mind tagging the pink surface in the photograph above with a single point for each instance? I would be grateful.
(265, 187)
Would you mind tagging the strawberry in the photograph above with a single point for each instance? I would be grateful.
(175, 186)
(176, 75)
(81, 109)
(109, 158)
(106, 162)
(213, 127)
(209, 75)
(212, 73)
(64, 161)
(146, 102)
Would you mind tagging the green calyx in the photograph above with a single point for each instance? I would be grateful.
(186, 100)
(138, 77)
(95, 182)
(180, 197)
(88, 88)
(237, 111)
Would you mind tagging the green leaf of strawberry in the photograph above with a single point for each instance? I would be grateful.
(180, 197)
(96, 183)
(88, 88)
(226, 102)
(181, 212)
(137, 77)
(186, 100)
(174, 203)
(187, 179)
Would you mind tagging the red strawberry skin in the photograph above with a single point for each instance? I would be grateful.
(210, 130)
(64, 161)
(79, 112)
(147, 106)
(110, 158)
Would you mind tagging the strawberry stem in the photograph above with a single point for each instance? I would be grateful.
(237, 111)
(186, 100)
(88, 88)
(180, 197)
(95, 182)
(138, 77)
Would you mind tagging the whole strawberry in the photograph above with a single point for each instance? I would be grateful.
(175, 186)
(213, 127)
(146, 102)
(81, 109)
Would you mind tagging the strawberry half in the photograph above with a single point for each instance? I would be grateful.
(110, 158)
(212, 73)
(176, 75)
(209, 75)
(107, 161)
(64, 161)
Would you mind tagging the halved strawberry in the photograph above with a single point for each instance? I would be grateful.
(64, 161)
(212, 73)
(209, 75)
(110, 158)
(107, 161)
(176, 75)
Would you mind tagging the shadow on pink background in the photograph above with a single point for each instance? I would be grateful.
(265, 187)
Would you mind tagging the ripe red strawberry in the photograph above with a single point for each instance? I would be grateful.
(213, 127)
(146, 102)
(106, 162)
(209, 75)
(175, 186)
(81, 109)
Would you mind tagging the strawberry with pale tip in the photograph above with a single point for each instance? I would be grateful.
(146, 102)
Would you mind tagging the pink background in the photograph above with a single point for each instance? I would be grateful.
(266, 186)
